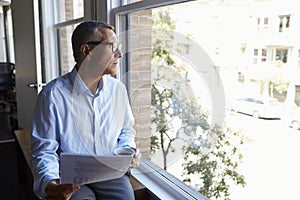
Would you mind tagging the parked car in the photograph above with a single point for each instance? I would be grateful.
(292, 118)
(258, 107)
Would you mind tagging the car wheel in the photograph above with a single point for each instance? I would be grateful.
(256, 114)
(295, 125)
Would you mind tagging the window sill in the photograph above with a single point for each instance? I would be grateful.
(161, 184)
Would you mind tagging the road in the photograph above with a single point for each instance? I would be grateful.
(271, 163)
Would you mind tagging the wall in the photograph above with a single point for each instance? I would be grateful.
(140, 76)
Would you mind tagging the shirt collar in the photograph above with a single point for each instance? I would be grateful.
(79, 86)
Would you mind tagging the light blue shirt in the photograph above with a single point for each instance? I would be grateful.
(69, 118)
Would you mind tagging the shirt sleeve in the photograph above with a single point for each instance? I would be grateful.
(44, 159)
(128, 133)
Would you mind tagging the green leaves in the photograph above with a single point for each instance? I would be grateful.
(215, 161)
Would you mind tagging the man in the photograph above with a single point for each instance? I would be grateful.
(84, 112)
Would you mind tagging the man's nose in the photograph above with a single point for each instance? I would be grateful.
(118, 53)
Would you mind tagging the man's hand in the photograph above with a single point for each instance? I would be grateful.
(136, 158)
(56, 191)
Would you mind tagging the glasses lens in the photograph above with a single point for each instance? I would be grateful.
(116, 46)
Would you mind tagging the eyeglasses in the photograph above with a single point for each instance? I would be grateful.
(114, 45)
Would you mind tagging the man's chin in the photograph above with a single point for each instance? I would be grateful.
(112, 70)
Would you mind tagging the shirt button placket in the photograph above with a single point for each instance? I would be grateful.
(95, 122)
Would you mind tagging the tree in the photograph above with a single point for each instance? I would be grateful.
(162, 105)
(161, 101)
(170, 91)
(214, 156)
(209, 151)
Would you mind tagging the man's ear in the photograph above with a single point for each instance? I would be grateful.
(85, 50)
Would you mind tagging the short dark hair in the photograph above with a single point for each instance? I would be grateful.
(84, 32)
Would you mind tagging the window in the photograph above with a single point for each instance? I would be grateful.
(69, 10)
(259, 55)
(282, 55)
(159, 41)
(255, 55)
(263, 55)
(65, 15)
(284, 22)
(65, 52)
(151, 30)
(9, 35)
(266, 21)
(297, 100)
(58, 31)
(6, 42)
(262, 23)
(151, 64)
(161, 72)
(299, 58)
(2, 34)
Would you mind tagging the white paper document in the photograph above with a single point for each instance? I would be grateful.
(83, 169)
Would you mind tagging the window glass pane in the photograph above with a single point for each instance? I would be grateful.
(284, 22)
(2, 37)
(254, 60)
(255, 52)
(263, 52)
(133, 1)
(281, 55)
(65, 48)
(168, 92)
(6, 35)
(287, 22)
(266, 21)
(174, 54)
(69, 10)
(263, 55)
(9, 35)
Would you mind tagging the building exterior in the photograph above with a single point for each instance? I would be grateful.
(269, 56)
